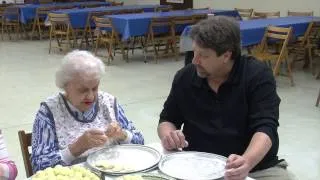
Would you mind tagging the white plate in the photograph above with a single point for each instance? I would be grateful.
(193, 166)
(138, 157)
(148, 176)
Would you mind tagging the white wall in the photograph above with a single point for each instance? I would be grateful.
(263, 5)
(259, 5)
(148, 1)
(130, 2)
(12, 1)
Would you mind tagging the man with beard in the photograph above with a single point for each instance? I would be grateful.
(225, 103)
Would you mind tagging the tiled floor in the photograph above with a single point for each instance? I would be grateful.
(27, 77)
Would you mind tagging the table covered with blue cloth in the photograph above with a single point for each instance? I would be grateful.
(252, 31)
(130, 25)
(231, 13)
(78, 17)
(28, 11)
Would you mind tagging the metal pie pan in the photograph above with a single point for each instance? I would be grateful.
(193, 165)
(138, 157)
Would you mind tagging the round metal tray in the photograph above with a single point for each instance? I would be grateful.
(150, 176)
(139, 157)
(193, 165)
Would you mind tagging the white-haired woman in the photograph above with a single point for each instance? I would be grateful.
(81, 119)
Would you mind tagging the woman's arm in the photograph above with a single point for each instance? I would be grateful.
(45, 147)
(8, 169)
(133, 135)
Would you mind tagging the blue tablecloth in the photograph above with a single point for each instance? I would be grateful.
(28, 11)
(252, 31)
(78, 17)
(137, 24)
(37, 1)
(231, 13)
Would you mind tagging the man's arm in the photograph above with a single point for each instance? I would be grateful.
(238, 167)
(171, 121)
(263, 122)
(259, 146)
(263, 116)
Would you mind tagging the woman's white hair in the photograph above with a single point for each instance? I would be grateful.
(78, 62)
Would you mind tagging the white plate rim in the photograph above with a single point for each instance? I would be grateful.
(155, 152)
(202, 154)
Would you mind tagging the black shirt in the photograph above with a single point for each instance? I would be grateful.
(224, 122)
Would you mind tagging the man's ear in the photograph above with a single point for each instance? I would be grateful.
(227, 56)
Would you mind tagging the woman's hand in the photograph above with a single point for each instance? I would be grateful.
(116, 132)
(89, 139)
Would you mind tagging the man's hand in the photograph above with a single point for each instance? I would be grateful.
(174, 140)
(237, 168)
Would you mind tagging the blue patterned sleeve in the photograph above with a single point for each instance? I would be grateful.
(137, 137)
(45, 149)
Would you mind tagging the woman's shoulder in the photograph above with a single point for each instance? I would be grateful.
(54, 97)
(102, 95)
(48, 102)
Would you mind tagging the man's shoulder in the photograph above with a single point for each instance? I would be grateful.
(253, 64)
(255, 69)
(185, 74)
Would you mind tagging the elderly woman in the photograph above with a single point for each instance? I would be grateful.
(8, 169)
(79, 120)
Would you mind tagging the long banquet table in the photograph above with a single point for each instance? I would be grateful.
(252, 31)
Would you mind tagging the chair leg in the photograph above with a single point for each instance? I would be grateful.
(123, 51)
(2, 30)
(276, 68)
(23, 30)
(97, 44)
(318, 99)
(109, 51)
(87, 40)
(19, 32)
(115, 49)
(39, 29)
(290, 73)
(50, 40)
(142, 41)
(84, 39)
(145, 51)
(317, 76)
(59, 41)
(8, 31)
(33, 28)
(111, 47)
(311, 60)
(91, 37)
(69, 42)
(74, 38)
(155, 54)
(176, 51)
(133, 44)
(18, 35)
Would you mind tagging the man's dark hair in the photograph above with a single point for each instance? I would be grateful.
(219, 33)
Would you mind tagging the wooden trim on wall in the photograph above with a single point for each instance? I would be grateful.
(187, 4)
